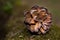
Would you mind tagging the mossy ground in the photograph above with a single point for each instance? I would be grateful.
(53, 34)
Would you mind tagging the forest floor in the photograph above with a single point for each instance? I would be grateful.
(24, 34)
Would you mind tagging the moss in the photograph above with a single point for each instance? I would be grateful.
(53, 34)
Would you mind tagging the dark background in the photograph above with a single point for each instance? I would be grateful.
(12, 16)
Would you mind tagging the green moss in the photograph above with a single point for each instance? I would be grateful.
(53, 34)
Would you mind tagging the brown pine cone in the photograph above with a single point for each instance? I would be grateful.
(38, 19)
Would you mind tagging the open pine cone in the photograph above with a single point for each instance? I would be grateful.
(38, 19)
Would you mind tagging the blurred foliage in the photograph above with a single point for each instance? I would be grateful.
(7, 6)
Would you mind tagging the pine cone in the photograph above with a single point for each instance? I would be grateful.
(38, 19)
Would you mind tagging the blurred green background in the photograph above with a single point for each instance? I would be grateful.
(12, 17)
